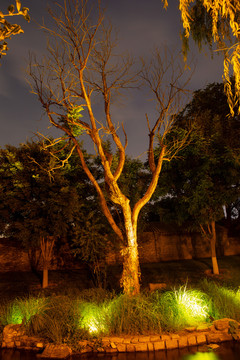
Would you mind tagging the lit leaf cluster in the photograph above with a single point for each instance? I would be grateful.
(7, 29)
(73, 116)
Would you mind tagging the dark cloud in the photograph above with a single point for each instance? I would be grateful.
(141, 25)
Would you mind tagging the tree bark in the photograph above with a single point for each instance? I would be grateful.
(213, 249)
(45, 277)
(130, 280)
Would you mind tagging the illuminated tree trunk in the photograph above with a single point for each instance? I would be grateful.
(131, 270)
(213, 248)
(45, 276)
(210, 234)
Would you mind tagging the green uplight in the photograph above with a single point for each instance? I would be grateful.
(24, 309)
(191, 304)
(15, 316)
(93, 318)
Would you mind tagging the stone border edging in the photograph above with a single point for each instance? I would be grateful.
(220, 331)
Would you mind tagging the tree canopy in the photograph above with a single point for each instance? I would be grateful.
(205, 177)
(37, 210)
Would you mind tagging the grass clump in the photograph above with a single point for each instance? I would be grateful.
(96, 312)
(224, 302)
(133, 315)
(94, 317)
(59, 322)
(22, 310)
(181, 307)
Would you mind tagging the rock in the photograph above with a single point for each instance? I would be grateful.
(157, 286)
(190, 328)
(203, 327)
(13, 330)
(213, 346)
(56, 351)
(224, 324)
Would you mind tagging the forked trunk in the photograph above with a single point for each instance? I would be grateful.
(213, 249)
(131, 271)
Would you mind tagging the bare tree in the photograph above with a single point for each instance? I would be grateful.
(82, 63)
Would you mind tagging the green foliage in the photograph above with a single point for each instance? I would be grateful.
(134, 315)
(73, 116)
(205, 175)
(181, 307)
(34, 205)
(62, 205)
(94, 312)
(22, 310)
(89, 243)
(224, 303)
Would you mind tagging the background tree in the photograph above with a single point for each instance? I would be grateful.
(35, 209)
(216, 22)
(7, 29)
(90, 240)
(205, 178)
(83, 63)
(90, 234)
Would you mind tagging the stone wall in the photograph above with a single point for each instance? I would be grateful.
(205, 334)
(13, 257)
(158, 245)
(154, 246)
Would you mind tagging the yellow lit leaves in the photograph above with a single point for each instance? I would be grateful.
(226, 11)
(7, 29)
(184, 8)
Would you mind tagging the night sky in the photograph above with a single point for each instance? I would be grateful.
(141, 25)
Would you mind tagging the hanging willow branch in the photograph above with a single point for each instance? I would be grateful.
(223, 18)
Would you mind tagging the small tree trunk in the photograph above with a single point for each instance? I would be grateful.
(131, 273)
(45, 277)
(213, 249)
